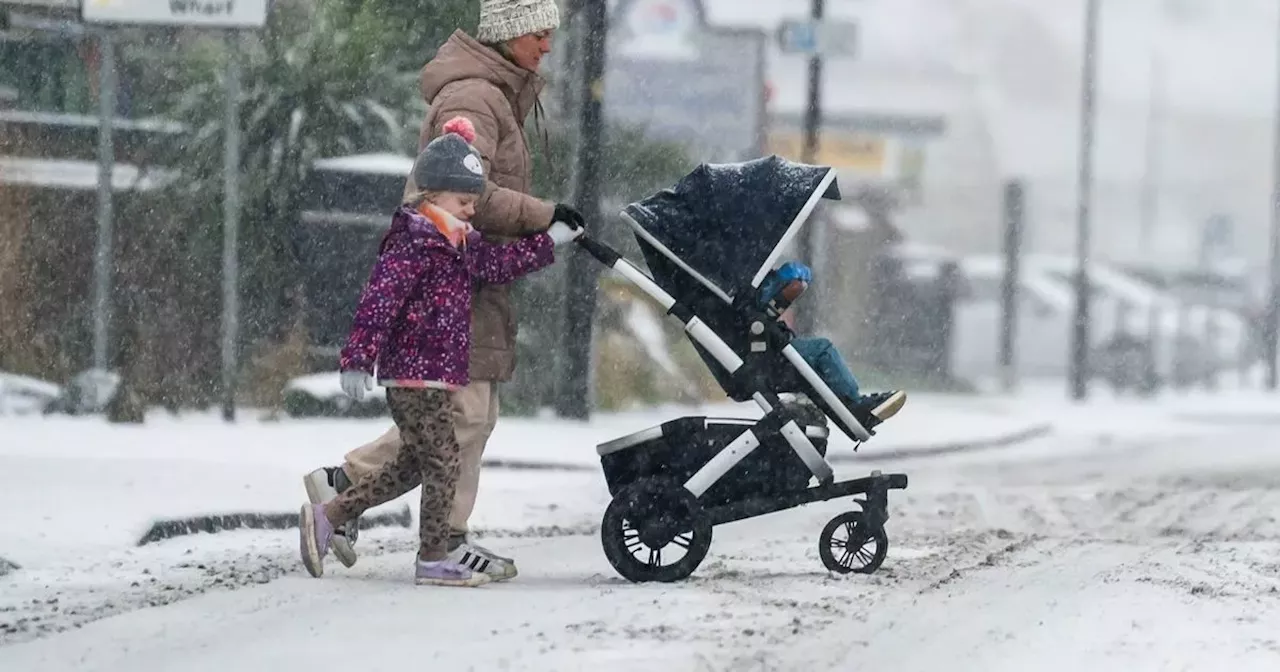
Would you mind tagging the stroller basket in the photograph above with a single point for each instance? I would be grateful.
(677, 449)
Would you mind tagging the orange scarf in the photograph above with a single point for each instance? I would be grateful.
(453, 229)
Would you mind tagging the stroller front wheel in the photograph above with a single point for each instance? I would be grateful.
(648, 520)
(847, 544)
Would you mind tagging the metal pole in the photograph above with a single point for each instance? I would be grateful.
(1150, 203)
(230, 227)
(1080, 326)
(1013, 218)
(573, 395)
(762, 109)
(567, 92)
(102, 258)
(805, 316)
(1271, 327)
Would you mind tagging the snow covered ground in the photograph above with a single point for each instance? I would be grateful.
(1131, 537)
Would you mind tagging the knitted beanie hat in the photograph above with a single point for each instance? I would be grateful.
(502, 20)
(449, 162)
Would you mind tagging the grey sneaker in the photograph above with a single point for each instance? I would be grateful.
(447, 573)
(325, 484)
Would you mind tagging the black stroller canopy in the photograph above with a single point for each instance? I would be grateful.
(727, 223)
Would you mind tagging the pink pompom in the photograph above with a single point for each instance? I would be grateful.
(462, 126)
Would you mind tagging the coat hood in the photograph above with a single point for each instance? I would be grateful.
(462, 57)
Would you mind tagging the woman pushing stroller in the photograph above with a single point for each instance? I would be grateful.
(413, 324)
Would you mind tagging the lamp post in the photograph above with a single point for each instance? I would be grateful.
(1271, 326)
(1080, 325)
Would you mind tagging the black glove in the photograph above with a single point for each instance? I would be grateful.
(569, 215)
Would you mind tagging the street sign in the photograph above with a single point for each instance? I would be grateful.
(225, 14)
(658, 29)
(204, 13)
(828, 37)
(42, 4)
(39, 19)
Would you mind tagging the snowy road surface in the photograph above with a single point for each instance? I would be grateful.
(1067, 554)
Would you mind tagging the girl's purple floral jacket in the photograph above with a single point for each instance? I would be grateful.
(414, 317)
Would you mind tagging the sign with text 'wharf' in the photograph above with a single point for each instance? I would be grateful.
(203, 13)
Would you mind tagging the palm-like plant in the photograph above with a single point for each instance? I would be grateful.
(310, 89)
(404, 34)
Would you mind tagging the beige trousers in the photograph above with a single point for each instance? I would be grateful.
(475, 413)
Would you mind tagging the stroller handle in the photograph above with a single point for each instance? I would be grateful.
(602, 252)
(699, 332)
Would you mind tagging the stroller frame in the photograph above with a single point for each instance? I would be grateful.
(658, 510)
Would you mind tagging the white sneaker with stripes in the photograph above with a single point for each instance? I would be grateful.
(480, 559)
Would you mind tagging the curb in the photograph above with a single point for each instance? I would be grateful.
(529, 465)
(934, 450)
(214, 523)
(176, 527)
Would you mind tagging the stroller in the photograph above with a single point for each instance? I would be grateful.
(709, 242)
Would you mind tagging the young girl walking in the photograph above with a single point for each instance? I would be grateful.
(414, 323)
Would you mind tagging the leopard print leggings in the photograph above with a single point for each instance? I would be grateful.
(429, 457)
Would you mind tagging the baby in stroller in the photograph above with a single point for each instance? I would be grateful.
(778, 292)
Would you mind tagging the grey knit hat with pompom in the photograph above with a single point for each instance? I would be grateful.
(502, 20)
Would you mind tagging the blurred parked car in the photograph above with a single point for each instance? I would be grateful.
(320, 395)
(22, 395)
(88, 393)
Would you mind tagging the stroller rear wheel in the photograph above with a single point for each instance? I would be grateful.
(655, 530)
(848, 545)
